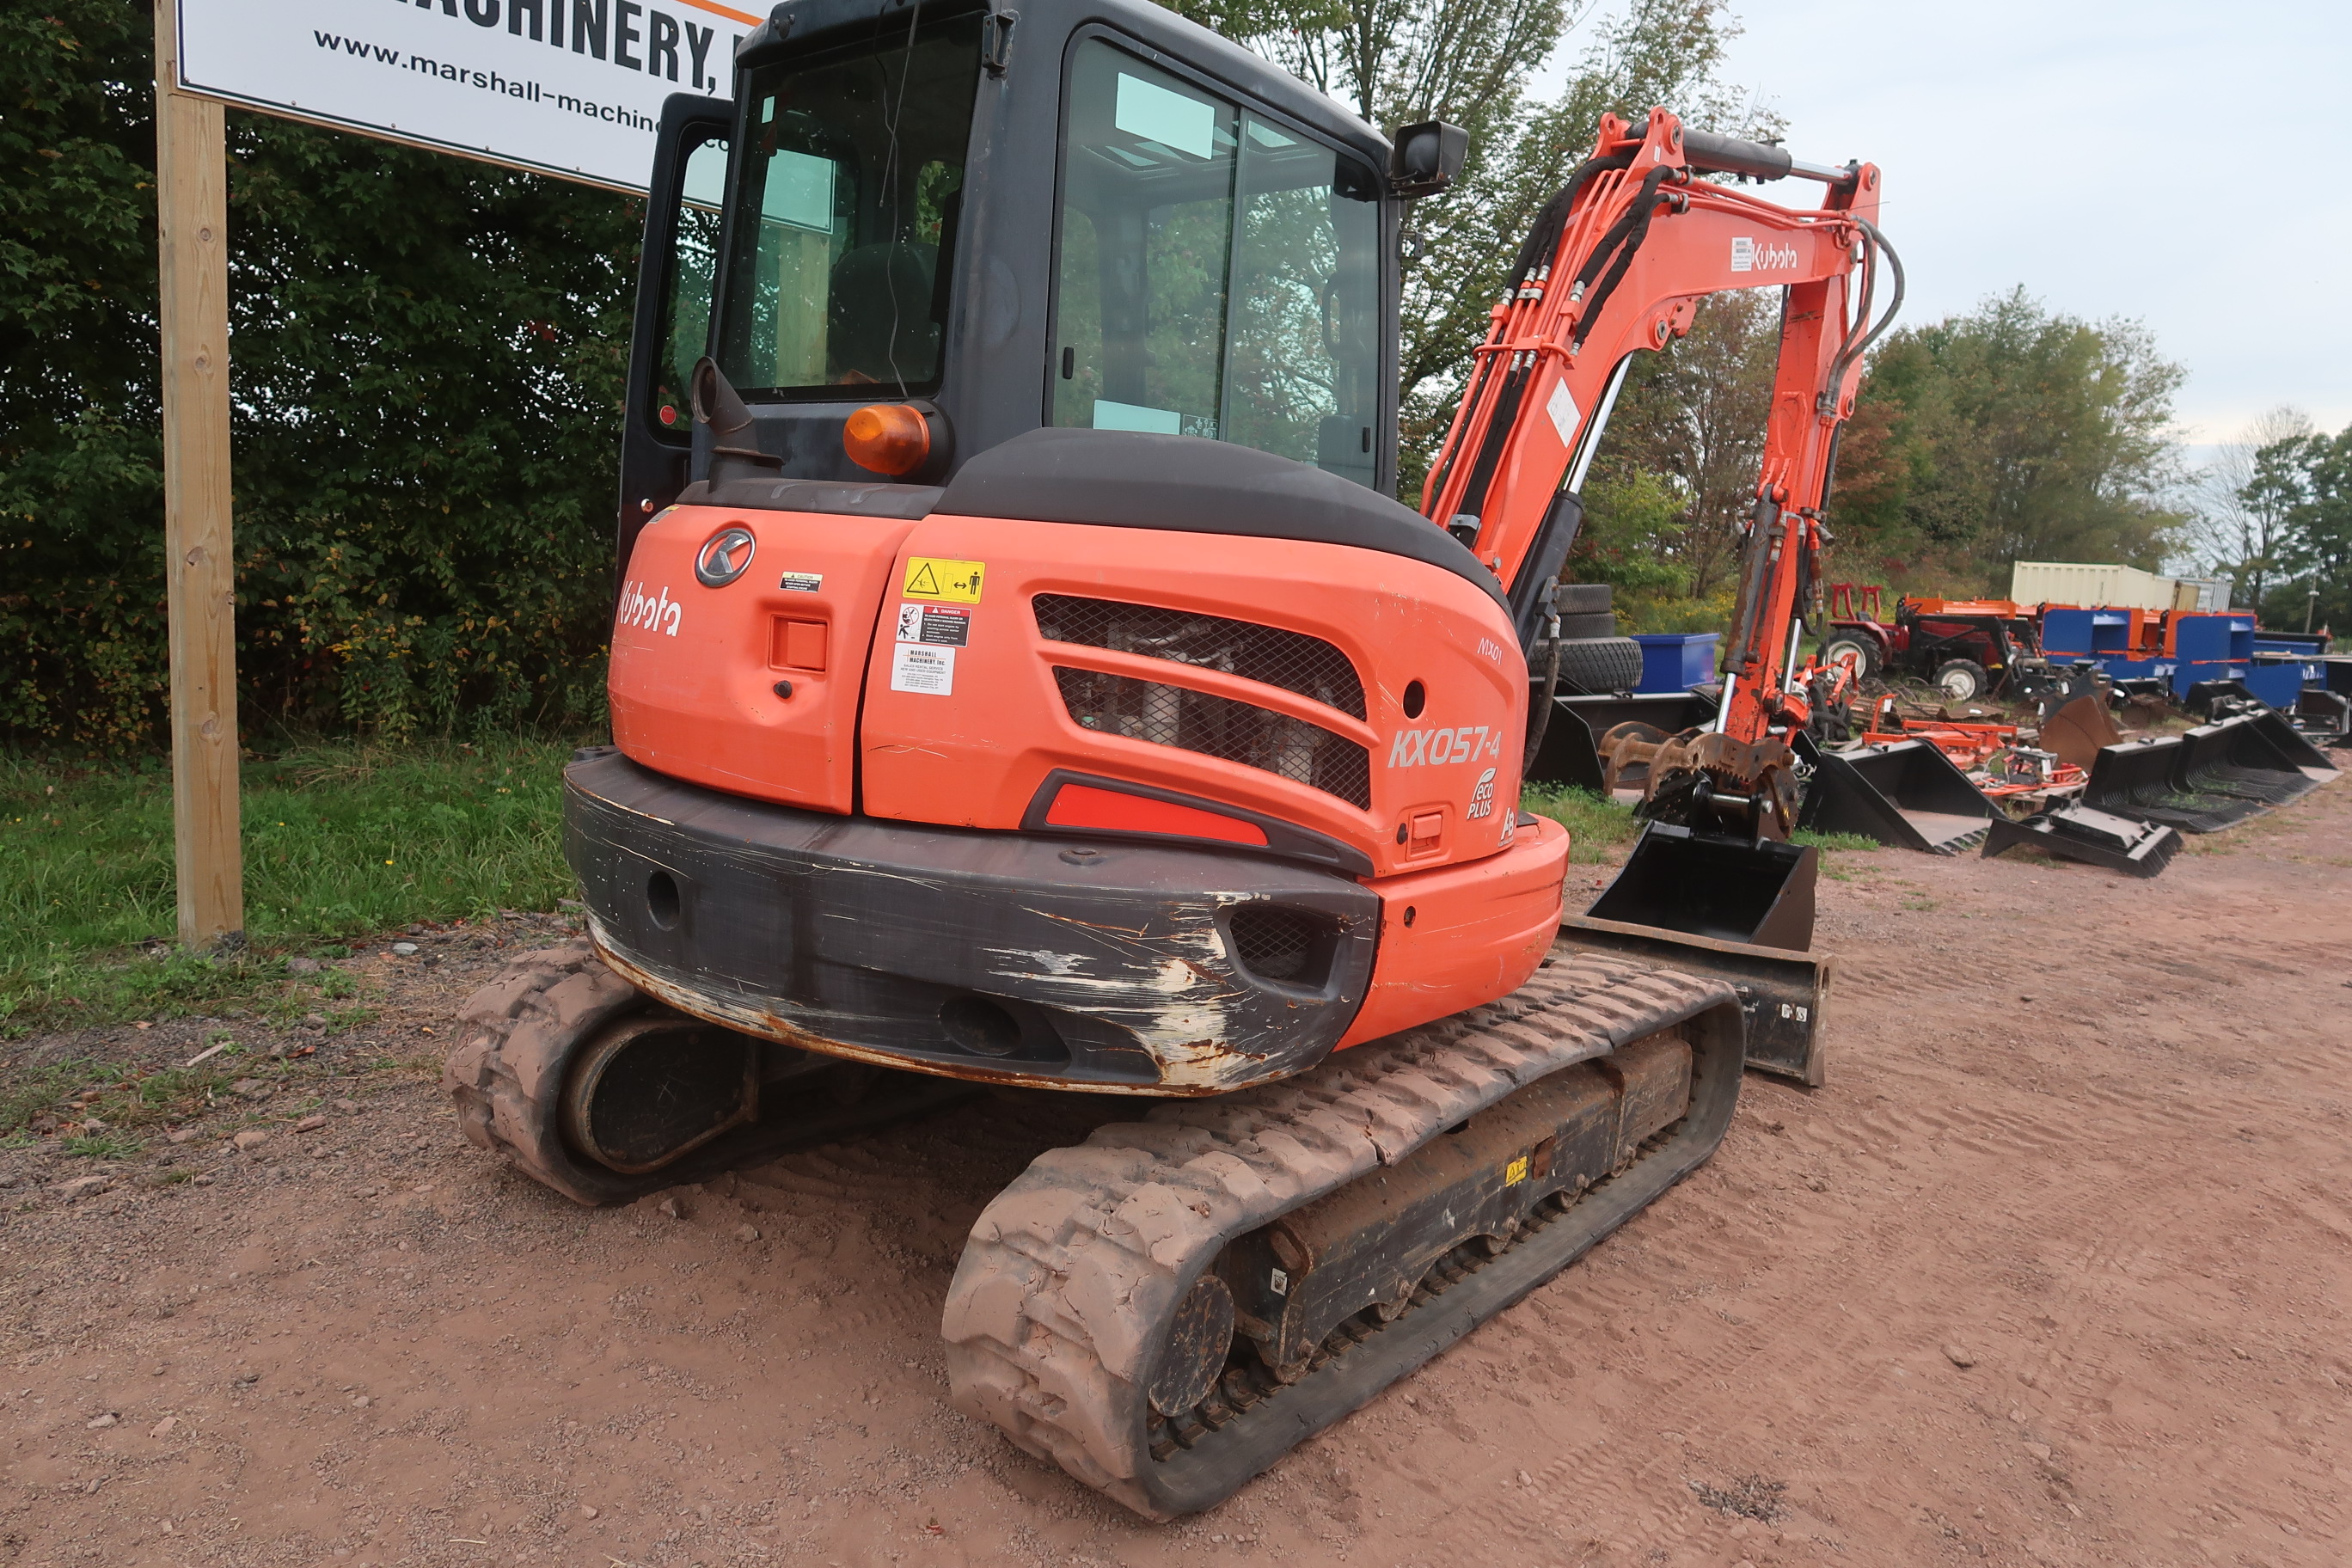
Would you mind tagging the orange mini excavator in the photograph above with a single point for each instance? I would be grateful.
(1022, 676)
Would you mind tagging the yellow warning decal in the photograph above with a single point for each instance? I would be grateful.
(932, 579)
(1516, 1172)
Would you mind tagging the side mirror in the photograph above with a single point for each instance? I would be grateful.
(1424, 158)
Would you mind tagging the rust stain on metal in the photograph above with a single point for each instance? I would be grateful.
(769, 1024)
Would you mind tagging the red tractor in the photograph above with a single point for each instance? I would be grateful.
(1967, 649)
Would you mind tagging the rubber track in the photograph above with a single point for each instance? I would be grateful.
(514, 1036)
(517, 1037)
(1055, 1310)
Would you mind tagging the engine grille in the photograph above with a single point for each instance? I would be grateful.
(1276, 943)
(1295, 662)
(1219, 727)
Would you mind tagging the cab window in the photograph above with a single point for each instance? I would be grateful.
(1218, 275)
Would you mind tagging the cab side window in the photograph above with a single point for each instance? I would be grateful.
(1218, 276)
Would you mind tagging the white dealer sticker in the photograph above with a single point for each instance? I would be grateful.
(918, 668)
(1564, 417)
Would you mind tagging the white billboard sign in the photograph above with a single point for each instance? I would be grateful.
(572, 87)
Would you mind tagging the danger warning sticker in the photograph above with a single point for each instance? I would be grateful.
(928, 670)
(946, 625)
(929, 578)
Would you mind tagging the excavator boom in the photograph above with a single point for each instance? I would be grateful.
(1617, 263)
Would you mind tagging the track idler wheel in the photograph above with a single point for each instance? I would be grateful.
(516, 1079)
(585, 1084)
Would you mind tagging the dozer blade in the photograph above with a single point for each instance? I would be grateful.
(2078, 833)
(2076, 732)
(1733, 909)
(1906, 793)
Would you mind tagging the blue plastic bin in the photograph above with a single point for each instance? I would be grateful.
(1676, 661)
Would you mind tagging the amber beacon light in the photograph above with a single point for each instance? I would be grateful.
(888, 437)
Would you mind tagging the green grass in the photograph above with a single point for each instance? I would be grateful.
(1853, 841)
(131, 1100)
(339, 841)
(1594, 825)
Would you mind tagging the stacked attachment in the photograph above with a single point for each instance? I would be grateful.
(2078, 833)
(1906, 793)
(2209, 778)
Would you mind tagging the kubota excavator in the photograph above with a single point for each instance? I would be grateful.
(1022, 677)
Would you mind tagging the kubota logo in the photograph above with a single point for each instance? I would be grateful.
(1746, 255)
(724, 556)
(639, 608)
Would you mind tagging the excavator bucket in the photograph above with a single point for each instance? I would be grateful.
(1902, 793)
(2323, 718)
(2076, 732)
(2254, 756)
(2209, 778)
(1738, 909)
(2135, 779)
(2078, 833)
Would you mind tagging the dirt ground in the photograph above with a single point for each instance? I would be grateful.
(2054, 1270)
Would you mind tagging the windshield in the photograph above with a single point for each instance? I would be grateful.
(1219, 276)
(847, 195)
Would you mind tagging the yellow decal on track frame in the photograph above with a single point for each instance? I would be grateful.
(1516, 1172)
(957, 581)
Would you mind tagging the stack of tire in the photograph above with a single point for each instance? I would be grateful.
(1593, 659)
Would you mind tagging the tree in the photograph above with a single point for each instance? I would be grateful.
(2242, 500)
(2010, 433)
(425, 367)
(2313, 474)
(1692, 417)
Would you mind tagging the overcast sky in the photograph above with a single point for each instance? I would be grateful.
(2187, 165)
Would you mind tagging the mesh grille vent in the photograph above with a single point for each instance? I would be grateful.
(1292, 661)
(1274, 944)
(1219, 727)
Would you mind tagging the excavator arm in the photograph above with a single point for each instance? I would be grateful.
(1617, 263)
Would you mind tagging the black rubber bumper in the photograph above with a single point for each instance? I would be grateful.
(1008, 957)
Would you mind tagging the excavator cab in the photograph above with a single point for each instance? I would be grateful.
(1094, 218)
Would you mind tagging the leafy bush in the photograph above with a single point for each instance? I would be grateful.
(426, 363)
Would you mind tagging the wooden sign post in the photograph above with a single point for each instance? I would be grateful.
(544, 93)
(200, 564)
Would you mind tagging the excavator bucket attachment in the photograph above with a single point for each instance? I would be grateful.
(2078, 833)
(2323, 718)
(2076, 732)
(2254, 757)
(2133, 778)
(1738, 909)
(1902, 793)
(1566, 754)
(2209, 778)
